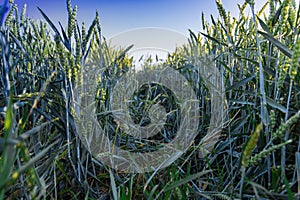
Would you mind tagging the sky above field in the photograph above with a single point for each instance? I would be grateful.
(122, 15)
(123, 22)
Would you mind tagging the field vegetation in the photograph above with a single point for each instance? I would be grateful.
(43, 65)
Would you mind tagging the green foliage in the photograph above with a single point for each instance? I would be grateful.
(41, 74)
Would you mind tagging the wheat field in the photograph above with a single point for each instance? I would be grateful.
(257, 156)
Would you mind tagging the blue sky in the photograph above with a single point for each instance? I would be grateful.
(122, 15)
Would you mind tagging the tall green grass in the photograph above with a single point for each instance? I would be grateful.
(41, 155)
